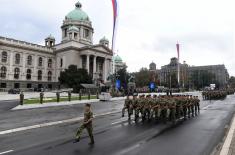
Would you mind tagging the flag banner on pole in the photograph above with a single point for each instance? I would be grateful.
(115, 15)
(178, 51)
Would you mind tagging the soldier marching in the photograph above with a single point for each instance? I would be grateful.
(217, 94)
(161, 108)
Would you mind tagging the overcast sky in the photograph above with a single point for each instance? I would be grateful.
(147, 30)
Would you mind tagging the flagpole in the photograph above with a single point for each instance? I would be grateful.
(178, 54)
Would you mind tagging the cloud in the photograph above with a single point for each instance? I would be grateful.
(147, 30)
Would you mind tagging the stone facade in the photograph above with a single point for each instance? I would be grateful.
(167, 72)
(26, 65)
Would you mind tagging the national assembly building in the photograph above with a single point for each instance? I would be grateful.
(27, 65)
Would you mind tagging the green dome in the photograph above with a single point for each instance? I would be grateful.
(117, 58)
(73, 28)
(77, 13)
(104, 39)
(50, 37)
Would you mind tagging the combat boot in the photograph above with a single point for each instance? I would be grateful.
(92, 141)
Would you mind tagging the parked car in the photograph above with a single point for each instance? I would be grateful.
(14, 91)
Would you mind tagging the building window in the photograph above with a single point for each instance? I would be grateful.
(29, 60)
(49, 76)
(3, 72)
(16, 73)
(75, 35)
(61, 62)
(49, 63)
(65, 32)
(86, 33)
(40, 61)
(16, 85)
(4, 57)
(17, 58)
(3, 85)
(28, 75)
(39, 75)
(29, 85)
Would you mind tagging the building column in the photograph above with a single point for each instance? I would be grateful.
(94, 65)
(88, 63)
(105, 69)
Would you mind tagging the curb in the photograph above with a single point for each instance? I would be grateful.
(228, 140)
(55, 104)
(52, 123)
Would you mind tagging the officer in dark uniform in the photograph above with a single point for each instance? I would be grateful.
(21, 98)
(57, 96)
(69, 95)
(41, 97)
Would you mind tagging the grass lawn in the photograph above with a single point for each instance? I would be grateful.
(53, 99)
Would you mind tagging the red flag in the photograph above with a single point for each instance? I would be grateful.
(178, 50)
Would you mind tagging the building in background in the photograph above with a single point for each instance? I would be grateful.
(191, 76)
(26, 65)
(152, 67)
(118, 63)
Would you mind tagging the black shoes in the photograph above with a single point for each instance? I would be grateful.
(92, 143)
(76, 140)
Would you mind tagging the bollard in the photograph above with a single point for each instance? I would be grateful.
(69, 96)
(89, 95)
(80, 94)
(58, 97)
(41, 97)
(21, 98)
(97, 94)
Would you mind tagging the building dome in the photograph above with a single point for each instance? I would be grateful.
(73, 28)
(152, 66)
(50, 37)
(104, 39)
(117, 59)
(77, 13)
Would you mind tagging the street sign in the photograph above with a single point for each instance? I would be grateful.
(118, 84)
(152, 86)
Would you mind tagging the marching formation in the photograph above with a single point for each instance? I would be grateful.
(216, 94)
(161, 108)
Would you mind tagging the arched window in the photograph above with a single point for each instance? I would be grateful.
(28, 75)
(40, 61)
(49, 63)
(4, 56)
(39, 75)
(29, 60)
(61, 62)
(17, 58)
(16, 73)
(3, 72)
(49, 75)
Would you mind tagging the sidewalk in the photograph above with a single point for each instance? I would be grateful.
(54, 104)
(228, 147)
(27, 95)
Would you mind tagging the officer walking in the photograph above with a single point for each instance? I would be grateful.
(87, 124)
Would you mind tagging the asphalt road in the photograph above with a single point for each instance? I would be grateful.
(10, 119)
(116, 136)
(6, 106)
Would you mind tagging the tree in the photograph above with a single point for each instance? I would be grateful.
(123, 76)
(73, 77)
(232, 82)
(143, 77)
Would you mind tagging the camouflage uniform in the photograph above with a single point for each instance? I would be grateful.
(88, 126)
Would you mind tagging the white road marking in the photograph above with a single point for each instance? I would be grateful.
(119, 121)
(51, 123)
(122, 120)
(6, 152)
(228, 140)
